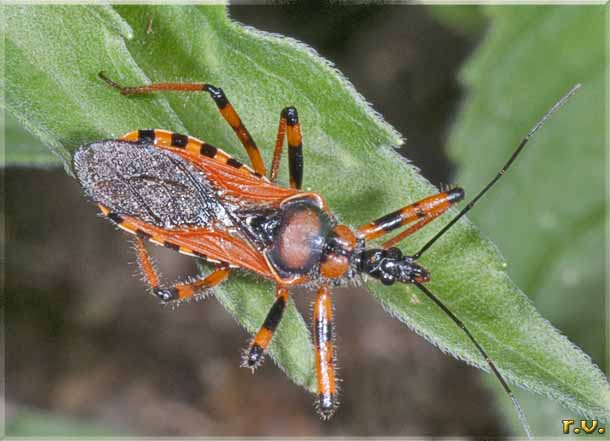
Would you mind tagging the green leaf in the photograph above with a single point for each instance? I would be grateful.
(550, 215)
(53, 89)
(468, 20)
(27, 423)
(25, 149)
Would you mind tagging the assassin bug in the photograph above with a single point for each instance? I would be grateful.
(189, 196)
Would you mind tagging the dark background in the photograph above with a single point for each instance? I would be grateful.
(85, 341)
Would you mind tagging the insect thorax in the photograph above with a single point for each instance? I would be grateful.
(292, 237)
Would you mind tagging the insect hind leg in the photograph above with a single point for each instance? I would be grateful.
(225, 108)
(180, 291)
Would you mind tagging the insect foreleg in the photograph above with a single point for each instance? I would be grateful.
(253, 356)
(181, 291)
(423, 211)
(289, 122)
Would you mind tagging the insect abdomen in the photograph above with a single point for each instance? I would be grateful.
(148, 183)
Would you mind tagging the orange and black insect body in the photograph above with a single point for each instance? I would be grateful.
(189, 196)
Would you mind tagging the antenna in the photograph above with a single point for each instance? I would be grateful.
(490, 363)
(502, 171)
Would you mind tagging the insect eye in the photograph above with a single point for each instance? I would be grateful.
(387, 279)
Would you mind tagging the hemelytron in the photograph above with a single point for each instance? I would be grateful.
(187, 195)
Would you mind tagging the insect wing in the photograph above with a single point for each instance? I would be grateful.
(238, 182)
(163, 196)
(144, 182)
(211, 245)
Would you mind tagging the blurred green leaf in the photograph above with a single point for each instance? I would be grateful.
(25, 149)
(469, 19)
(549, 216)
(26, 423)
(52, 88)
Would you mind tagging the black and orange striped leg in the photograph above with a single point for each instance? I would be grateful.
(423, 211)
(324, 350)
(289, 127)
(253, 356)
(180, 291)
(224, 106)
(230, 115)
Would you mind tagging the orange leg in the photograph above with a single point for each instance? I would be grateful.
(423, 211)
(325, 357)
(289, 125)
(180, 291)
(253, 357)
(224, 106)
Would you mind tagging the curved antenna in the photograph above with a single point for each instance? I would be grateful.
(492, 366)
(502, 171)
